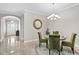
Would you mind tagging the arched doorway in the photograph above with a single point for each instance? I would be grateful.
(9, 26)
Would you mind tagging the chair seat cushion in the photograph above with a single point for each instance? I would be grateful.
(44, 40)
(66, 43)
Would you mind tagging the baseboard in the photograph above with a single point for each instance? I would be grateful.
(26, 41)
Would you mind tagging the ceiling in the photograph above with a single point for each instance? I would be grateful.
(43, 8)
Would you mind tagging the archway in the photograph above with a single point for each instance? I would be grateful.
(9, 25)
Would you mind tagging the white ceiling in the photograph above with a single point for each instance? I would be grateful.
(43, 8)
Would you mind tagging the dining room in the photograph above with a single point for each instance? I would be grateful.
(43, 29)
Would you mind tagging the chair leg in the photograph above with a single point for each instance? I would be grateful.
(61, 48)
(49, 51)
(46, 44)
(58, 51)
(39, 44)
(72, 50)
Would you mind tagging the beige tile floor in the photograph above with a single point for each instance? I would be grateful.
(12, 46)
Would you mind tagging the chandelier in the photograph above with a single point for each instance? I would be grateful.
(53, 16)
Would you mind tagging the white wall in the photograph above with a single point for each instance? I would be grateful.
(69, 22)
(3, 28)
(22, 27)
(30, 33)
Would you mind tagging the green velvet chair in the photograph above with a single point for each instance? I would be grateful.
(42, 40)
(70, 42)
(54, 43)
(56, 32)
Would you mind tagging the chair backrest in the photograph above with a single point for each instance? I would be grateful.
(56, 32)
(54, 41)
(73, 37)
(39, 35)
